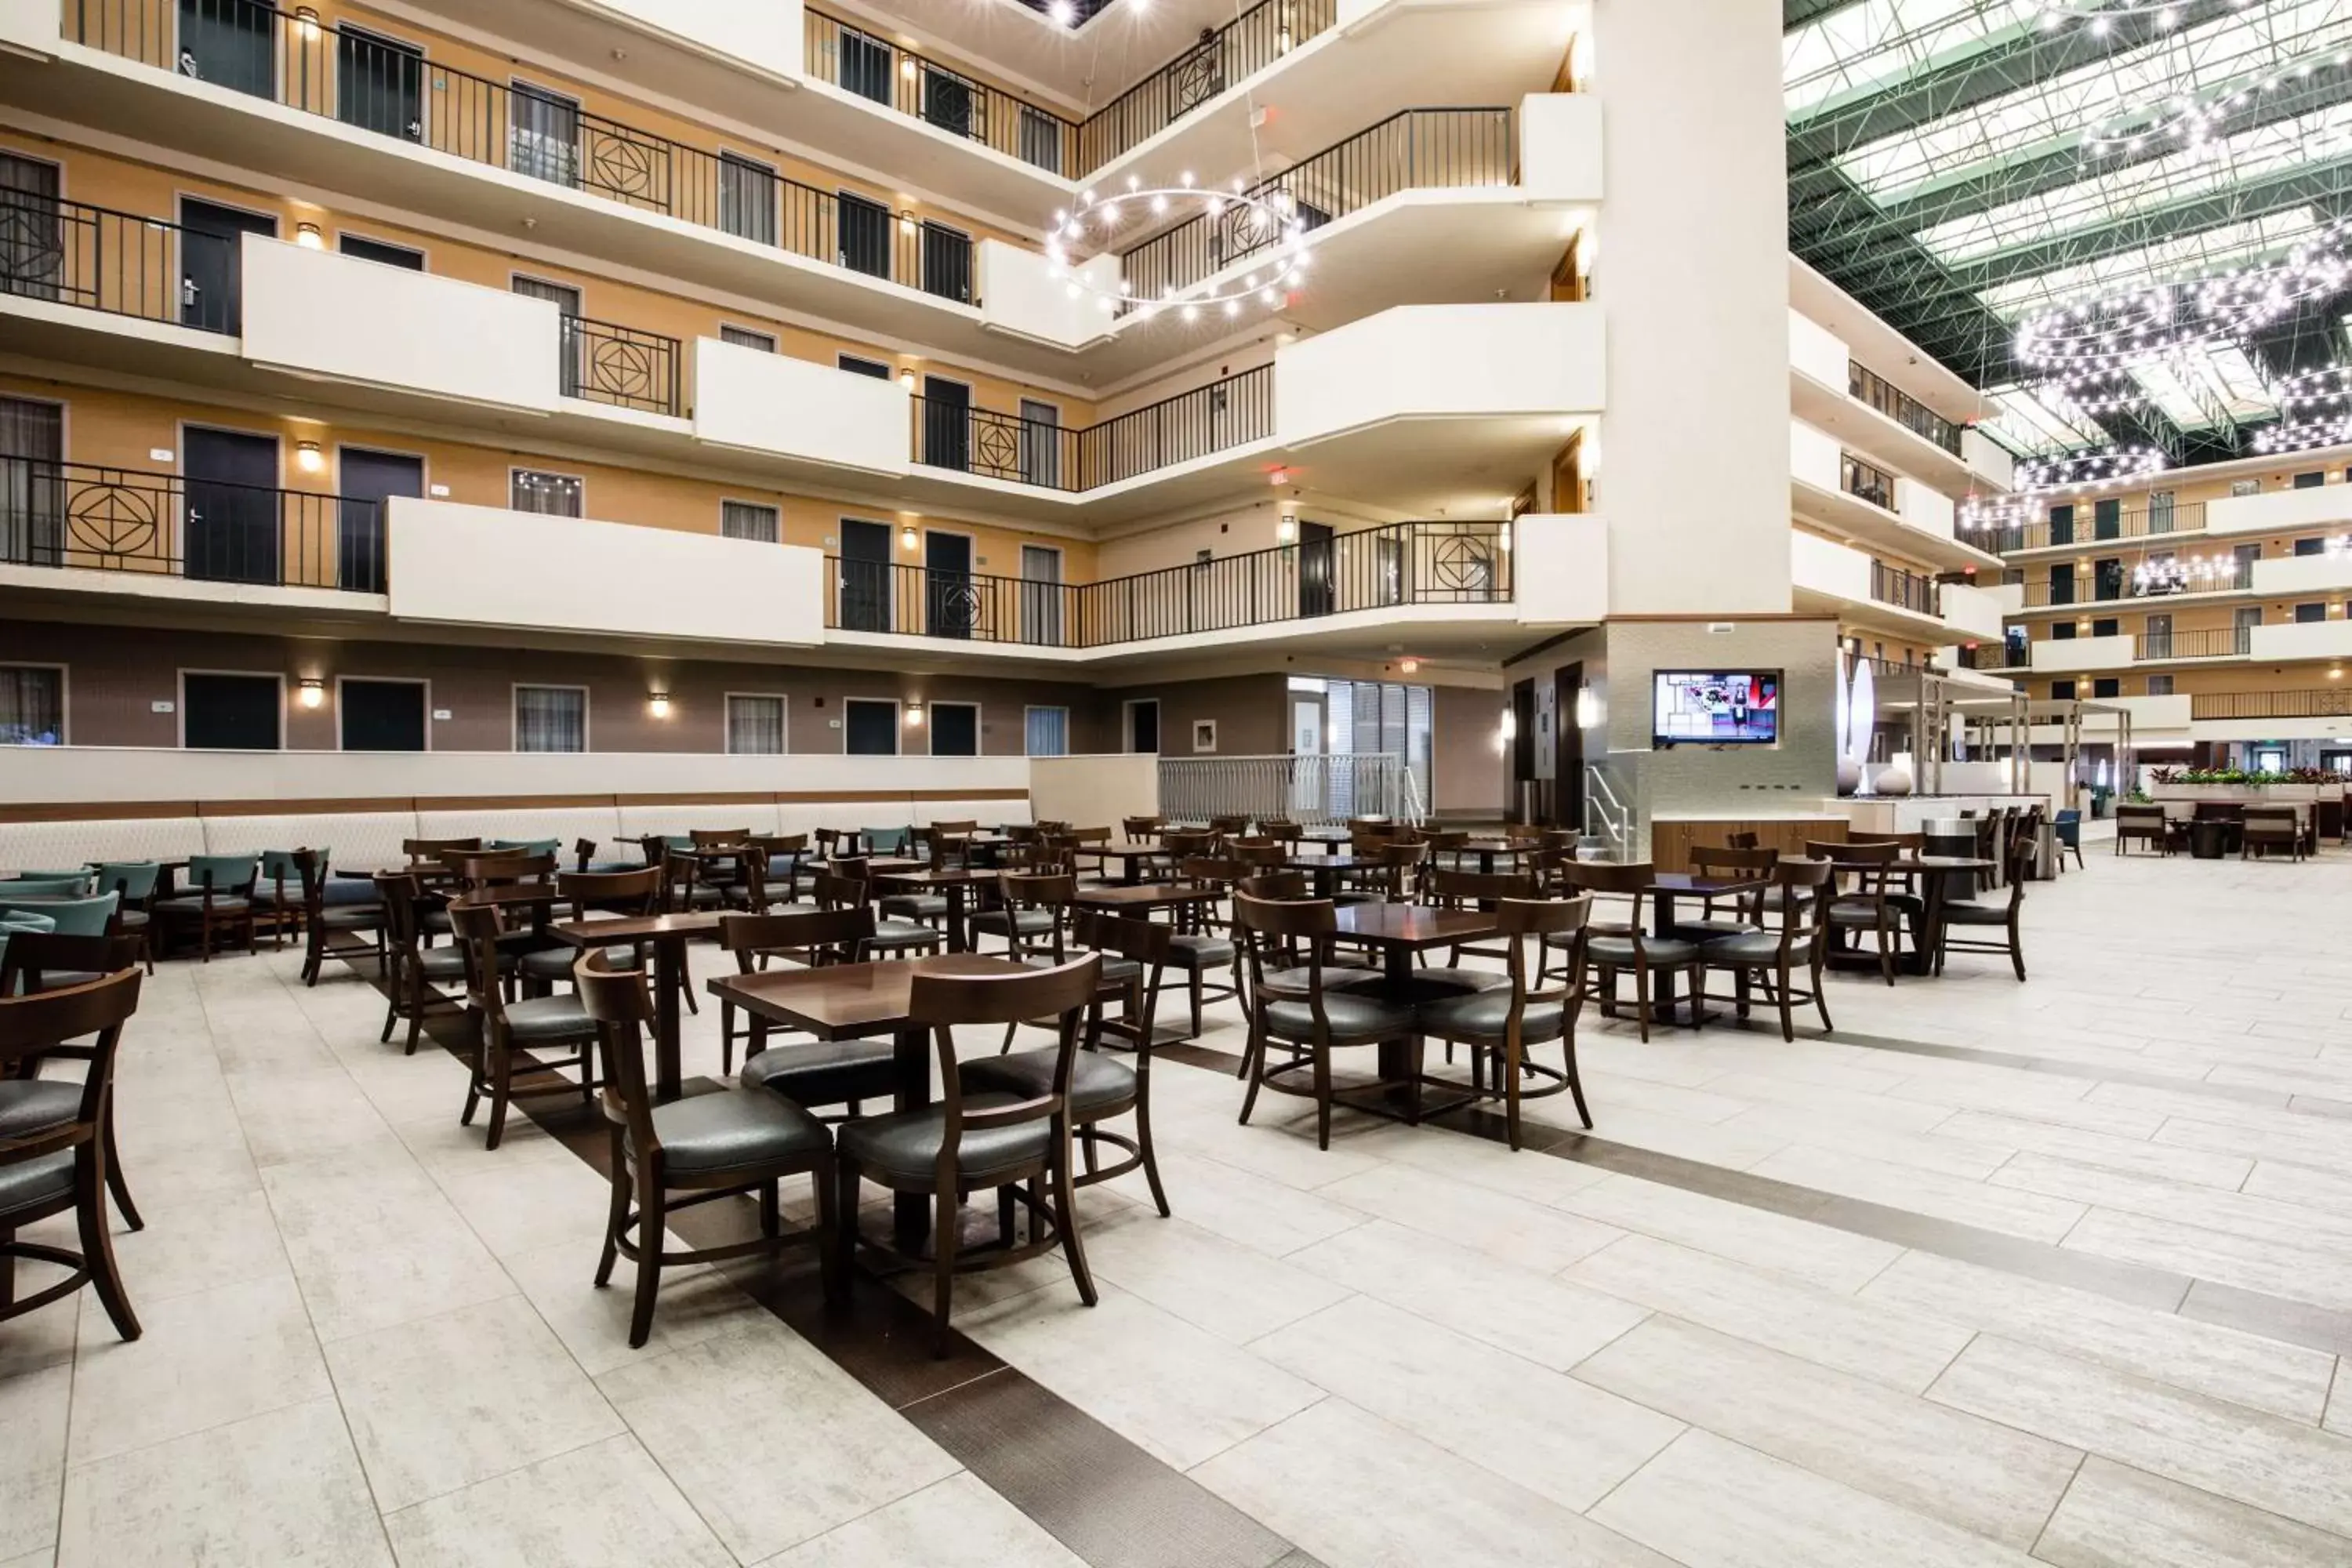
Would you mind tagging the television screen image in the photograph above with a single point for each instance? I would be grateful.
(1719, 707)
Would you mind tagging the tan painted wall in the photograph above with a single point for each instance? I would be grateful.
(1467, 772)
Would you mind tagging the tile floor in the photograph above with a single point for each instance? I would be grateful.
(2059, 1272)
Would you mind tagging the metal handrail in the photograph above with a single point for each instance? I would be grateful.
(2308, 703)
(1221, 59)
(92, 518)
(1906, 590)
(1866, 480)
(1311, 788)
(848, 57)
(2215, 642)
(385, 85)
(603, 362)
(1371, 569)
(1613, 828)
(1412, 149)
(121, 263)
(1866, 385)
(2184, 517)
(2038, 595)
(1194, 424)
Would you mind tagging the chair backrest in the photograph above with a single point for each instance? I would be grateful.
(134, 880)
(1140, 829)
(476, 929)
(1740, 840)
(28, 955)
(1281, 887)
(46, 887)
(941, 1001)
(1052, 892)
(1806, 887)
(1182, 841)
(1733, 862)
(504, 868)
(1210, 870)
(843, 882)
(431, 848)
(1227, 825)
(816, 937)
(1467, 890)
(889, 840)
(81, 1021)
(716, 838)
(1621, 881)
(401, 892)
(1867, 860)
(230, 875)
(1517, 918)
(68, 917)
(523, 846)
(619, 1003)
(1262, 852)
(1281, 830)
(1373, 826)
(637, 893)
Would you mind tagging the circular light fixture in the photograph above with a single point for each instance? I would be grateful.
(309, 458)
(1249, 222)
(308, 237)
(2102, 15)
(1980, 512)
(2087, 470)
(313, 692)
(2303, 434)
(658, 704)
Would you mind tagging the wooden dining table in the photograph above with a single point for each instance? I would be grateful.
(858, 1002)
(1925, 873)
(952, 884)
(1488, 851)
(1664, 888)
(1133, 859)
(1325, 868)
(667, 936)
(1144, 898)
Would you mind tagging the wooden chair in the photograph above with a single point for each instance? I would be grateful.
(428, 851)
(809, 1073)
(1873, 903)
(322, 920)
(1610, 948)
(1197, 947)
(1134, 954)
(1030, 908)
(2267, 830)
(222, 899)
(134, 883)
(707, 1146)
(2146, 824)
(414, 973)
(60, 1167)
(635, 893)
(1774, 958)
(991, 1140)
(846, 885)
(536, 1024)
(1308, 1015)
(1451, 890)
(772, 871)
(1498, 1024)
(1737, 912)
(1141, 829)
(36, 962)
(2004, 916)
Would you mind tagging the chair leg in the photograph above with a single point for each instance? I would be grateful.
(828, 1225)
(1322, 1097)
(1510, 1066)
(1196, 1002)
(944, 1220)
(1065, 1218)
(1143, 1141)
(617, 1216)
(649, 1245)
(727, 1039)
(1885, 951)
(685, 984)
(1575, 1078)
(1254, 1067)
(1641, 999)
(1820, 999)
(501, 1084)
(97, 1246)
(2016, 949)
(114, 1182)
(1788, 1023)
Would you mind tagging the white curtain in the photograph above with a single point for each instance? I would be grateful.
(550, 719)
(32, 707)
(746, 520)
(755, 726)
(1049, 731)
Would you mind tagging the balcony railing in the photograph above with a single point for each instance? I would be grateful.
(2218, 642)
(2333, 703)
(75, 254)
(1315, 788)
(1414, 149)
(1377, 568)
(1906, 590)
(1221, 59)
(1195, 424)
(856, 61)
(387, 85)
(124, 519)
(2184, 517)
(605, 363)
(1866, 480)
(1899, 406)
(2042, 595)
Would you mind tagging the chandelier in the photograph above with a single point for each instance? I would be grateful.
(1245, 222)
(2191, 124)
(2185, 574)
(1980, 512)
(2302, 434)
(2086, 470)
(2101, 15)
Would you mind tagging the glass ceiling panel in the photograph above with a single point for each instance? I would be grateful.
(2026, 423)
(1879, 43)
(2054, 114)
(2189, 255)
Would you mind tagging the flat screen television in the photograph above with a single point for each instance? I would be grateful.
(1715, 708)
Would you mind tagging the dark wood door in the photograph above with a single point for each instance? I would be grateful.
(367, 480)
(230, 530)
(865, 237)
(1315, 564)
(378, 84)
(948, 599)
(1568, 748)
(381, 715)
(865, 577)
(947, 423)
(228, 44)
(212, 255)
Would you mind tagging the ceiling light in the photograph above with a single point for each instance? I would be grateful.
(1063, 12)
(308, 237)
(309, 458)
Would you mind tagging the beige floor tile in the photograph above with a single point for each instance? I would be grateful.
(2299, 1274)
(2115, 1517)
(2028, 1215)
(205, 1360)
(607, 1505)
(954, 1523)
(374, 1243)
(32, 1407)
(1231, 1291)
(1832, 1259)
(1530, 1234)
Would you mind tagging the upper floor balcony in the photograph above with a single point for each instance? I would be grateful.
(336, 107)
(2070, 526)
(1834, 388)
(2302, 702)
(1840, 490)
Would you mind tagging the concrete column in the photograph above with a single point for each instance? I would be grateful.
(1692, 270)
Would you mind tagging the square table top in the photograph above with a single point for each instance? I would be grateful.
(1702, 885)
(1326, 835)
(635, 928)
(1146, 896)
(847, 1001)
(514, 895)
(876, 865)
(1335, 863)
(924, 878)
(1412, 925)
(1120, 851)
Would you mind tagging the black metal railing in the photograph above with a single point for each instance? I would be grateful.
(603, 362)
(1869, 387)
(1906, 590)
(1195, 424)
(1866, 480)
(124, 520)
(1371, 569)
(2116, 588)
(99, 259)
(2333, 702)
(915, 85)
(385, 85)
(1413, 149)
(2184, 517)
(1221, 59)
(2218, 642)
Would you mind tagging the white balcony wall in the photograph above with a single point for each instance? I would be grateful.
(2009, 597)
(1821, 566)
(1812, 456)
(762, 34)
(1435, 361)
(799, 408)
(1560, 147)
(1987, 460)
(1973, 612)
(1020, 296)
(480, 565)
(328, 314)
(2287, 575)
(1816, 350)
(2154, 718)
(2301, 639)
(2070, 655)
(2321, 505)
(31, 24)
(1922, 506)
(1559, 568)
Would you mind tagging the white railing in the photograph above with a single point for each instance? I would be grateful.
(1604, 814)
(1307, 789)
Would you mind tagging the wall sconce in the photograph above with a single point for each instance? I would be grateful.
(907, 67)
(1409, 665)
(914, 713)
(1285, 531)
(907, 380)
(1588, 708)
(909, 539)
(2336, 672)
(308, 237)
(1510, 725)
(907, 224)
(309, 458)
(313, 692)
(658, 704)
(306, 21)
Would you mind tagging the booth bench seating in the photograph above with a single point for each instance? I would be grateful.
(367, 838)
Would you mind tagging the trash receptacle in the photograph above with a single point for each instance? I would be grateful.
(1952, 835)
